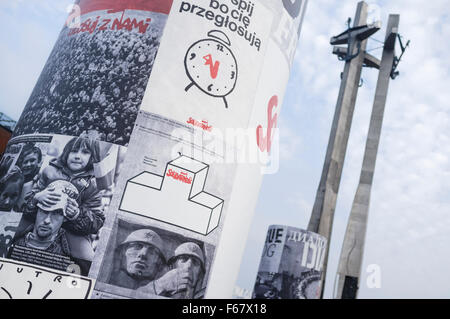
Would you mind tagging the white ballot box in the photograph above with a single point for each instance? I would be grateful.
(178, 197)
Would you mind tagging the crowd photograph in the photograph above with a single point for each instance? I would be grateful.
(93, 82)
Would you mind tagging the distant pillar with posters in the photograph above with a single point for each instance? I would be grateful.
(138, 158)
(291, 265)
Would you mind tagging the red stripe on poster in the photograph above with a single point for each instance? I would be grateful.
(161, 6)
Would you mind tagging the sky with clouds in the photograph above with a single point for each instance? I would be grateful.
(409, 223)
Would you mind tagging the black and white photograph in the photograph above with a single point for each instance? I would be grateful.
(268, 286)
(94, 81)
(63, 190)
(156, 141)
(9, 157)
(8, 226)
(150, 262)
(286, 286)
(19, 168)
(291, 265)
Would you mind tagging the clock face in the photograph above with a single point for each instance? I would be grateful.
(20, 280)
(212, 67)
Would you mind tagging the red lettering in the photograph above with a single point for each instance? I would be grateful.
(104, 25)
(265, 143)
(141, 26)
(213, 66)
(203, 125)
(182, 177)
(118, 24)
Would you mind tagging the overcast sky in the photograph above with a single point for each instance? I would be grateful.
(409, 222)
(408, 232)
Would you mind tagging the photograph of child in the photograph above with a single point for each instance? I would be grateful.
(83, 168)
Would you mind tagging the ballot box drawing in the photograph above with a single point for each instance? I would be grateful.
(178, 197)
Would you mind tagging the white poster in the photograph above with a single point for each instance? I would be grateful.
(24, 281)
(209, 63)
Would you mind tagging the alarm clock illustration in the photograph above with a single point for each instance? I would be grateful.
(211, 65)
(19, 280)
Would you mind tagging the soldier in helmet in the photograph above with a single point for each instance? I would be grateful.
(187, 268)
(141, 259)
(47, 233)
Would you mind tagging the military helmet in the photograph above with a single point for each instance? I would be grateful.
(146, 236)
(189, 249)
(63, 188)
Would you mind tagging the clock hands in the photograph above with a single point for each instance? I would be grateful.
(7, 292)
(213, 69)
(30, 285)
(47, 294)
(213, 66)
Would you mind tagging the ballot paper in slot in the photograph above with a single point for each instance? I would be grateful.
(178, 197)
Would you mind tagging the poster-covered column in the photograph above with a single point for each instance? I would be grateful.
(291, 265)
(60, 169)
(199, 137)
(263, 132)
(201, 144)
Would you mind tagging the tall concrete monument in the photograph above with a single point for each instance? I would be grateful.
(355, 57)
(349, 271)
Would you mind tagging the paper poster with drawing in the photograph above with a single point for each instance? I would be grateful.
(172, 207)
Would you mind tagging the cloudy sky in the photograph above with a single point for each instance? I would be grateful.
(409, 222)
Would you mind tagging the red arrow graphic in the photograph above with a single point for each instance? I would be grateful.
(213, 66)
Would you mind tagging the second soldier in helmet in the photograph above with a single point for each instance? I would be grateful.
(185, 275)
(143, 266)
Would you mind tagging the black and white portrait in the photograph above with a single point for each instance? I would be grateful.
(62, 188)
(155, 262)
